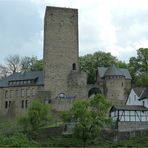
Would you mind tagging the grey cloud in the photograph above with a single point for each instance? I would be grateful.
(19, 23)
(131, 27)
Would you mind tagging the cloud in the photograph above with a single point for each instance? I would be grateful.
(116, 26)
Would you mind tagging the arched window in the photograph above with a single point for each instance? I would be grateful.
(74, 66)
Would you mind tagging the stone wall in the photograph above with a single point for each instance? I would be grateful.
(60, 48)
(77, 84)
(132, 126)
(122, 135)
(115, 89)
(15, 100)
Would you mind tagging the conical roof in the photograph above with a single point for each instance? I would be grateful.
(113, 71)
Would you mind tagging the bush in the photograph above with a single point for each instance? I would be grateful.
(16, 140)
(35, 118)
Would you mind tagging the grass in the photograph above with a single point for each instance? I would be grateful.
(134, 142)
(20, 140)
(60, 141)
(8, 125)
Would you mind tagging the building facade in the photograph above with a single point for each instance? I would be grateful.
(60, 82)
(134, 114)
(17, 92)
(114, 83)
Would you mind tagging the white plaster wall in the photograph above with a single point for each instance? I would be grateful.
(124, 116)
(145, 102)
(133, 99)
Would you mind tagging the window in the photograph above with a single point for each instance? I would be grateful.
(143, 103)
(11, 94)
(17, 93)
(74, 66)
(9, 103)
(22, 105)
(22, 92)
(6, 94)
(33, 92)
(28, 92)
(28, 81)
(6, 104)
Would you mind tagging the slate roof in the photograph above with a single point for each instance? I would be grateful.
(113, 70)
(138, 90)
(129, 108)
(142, 93)
(33, 75)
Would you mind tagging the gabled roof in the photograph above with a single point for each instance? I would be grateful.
(129, 108)
(119, 71)
(32, 75)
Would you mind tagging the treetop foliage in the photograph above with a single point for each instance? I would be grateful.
(89, 117)
(36, 117)
(137, 66)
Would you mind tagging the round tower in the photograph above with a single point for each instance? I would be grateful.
(115, 85)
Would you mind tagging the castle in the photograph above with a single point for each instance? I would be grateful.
(60, 82)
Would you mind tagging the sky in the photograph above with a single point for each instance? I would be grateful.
(116, 26)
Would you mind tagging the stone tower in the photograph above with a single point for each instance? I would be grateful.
(115, 85)
(60, 48)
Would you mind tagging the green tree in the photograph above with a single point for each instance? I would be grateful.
(35, 118)
(37, 66)
(143, 60)
(31, 64)
(138, 67)
(90, 117)
(90, 62)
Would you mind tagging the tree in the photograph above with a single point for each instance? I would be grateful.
(143, 60)
(11, 66)
(138, 67)
(31, 64)
(37, 66)
(35, 118)
(3, 71)
(16, 63)
(90, 62)
(89, 117)
(13, 63)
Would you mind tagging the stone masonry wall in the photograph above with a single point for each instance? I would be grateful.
(115, 89)
(132, 126)
(60, 48)
(15, 100)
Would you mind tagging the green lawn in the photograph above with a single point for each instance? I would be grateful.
(20, 140)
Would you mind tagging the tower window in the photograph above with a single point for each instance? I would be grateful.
(6, 104)
(22, 104)
(9, 103)
(74, 66)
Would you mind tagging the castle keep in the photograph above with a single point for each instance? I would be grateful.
(60, 82)
(61, 52)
